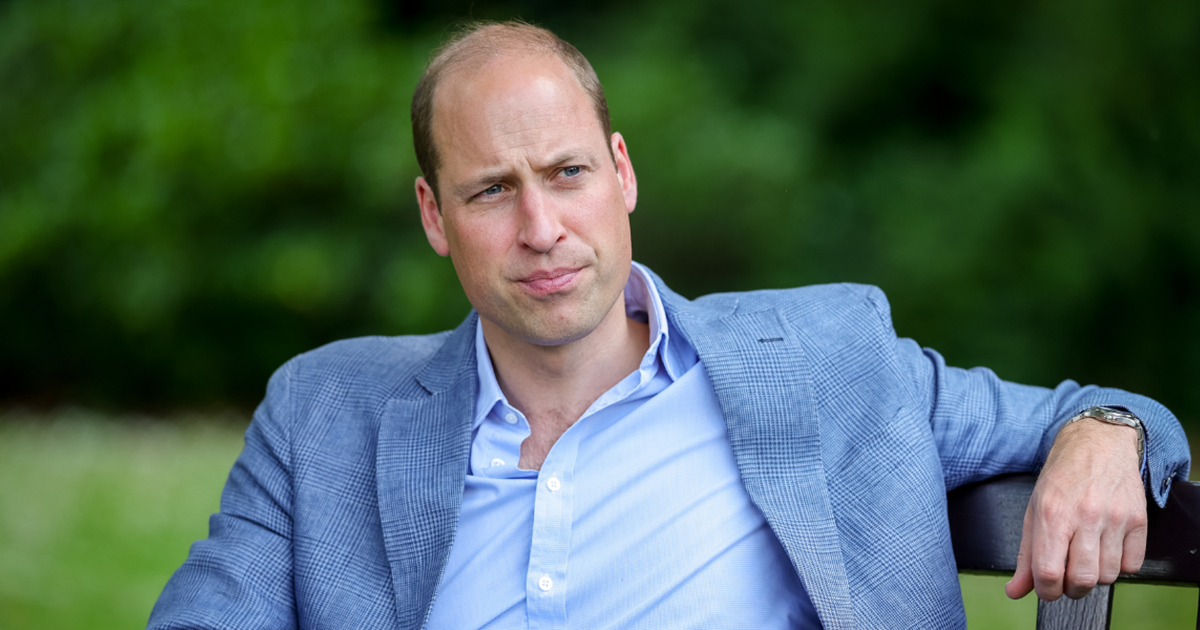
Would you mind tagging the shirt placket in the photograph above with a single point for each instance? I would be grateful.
(548, 578)
(497, 446)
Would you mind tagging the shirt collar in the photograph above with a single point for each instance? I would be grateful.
(489, 388)
(642, 302)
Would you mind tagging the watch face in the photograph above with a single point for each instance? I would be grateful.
(1120, 416)
(1112, 414)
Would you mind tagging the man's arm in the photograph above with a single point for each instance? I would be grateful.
(1084, 501)
(241, 575)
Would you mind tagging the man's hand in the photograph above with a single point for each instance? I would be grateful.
(1086, 520)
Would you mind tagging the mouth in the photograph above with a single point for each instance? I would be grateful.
(549, 281)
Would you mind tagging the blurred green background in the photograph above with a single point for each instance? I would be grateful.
(193, 191)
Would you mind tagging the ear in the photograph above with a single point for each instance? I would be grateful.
(625, 171)
(431, 218)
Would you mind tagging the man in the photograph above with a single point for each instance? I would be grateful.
(592, 450)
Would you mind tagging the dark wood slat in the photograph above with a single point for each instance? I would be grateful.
(985, 523)
(1173, 545)
(986, 519)
(1088, 613)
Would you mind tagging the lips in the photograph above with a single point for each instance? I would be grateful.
(545, 282)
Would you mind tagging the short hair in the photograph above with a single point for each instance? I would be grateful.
(477, 42)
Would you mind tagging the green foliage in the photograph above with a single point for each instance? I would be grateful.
(191, 192)
(1021, 179)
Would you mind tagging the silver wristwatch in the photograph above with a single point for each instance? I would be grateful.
(1112, 415)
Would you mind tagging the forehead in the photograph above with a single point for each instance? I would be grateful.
(510, 107)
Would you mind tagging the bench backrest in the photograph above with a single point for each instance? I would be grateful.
(985, 527)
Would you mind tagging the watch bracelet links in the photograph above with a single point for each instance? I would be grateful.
(1117, 416)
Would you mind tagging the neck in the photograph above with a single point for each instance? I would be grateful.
(554, 385)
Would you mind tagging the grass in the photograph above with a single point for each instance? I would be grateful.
(95, 515)
(1135, 606)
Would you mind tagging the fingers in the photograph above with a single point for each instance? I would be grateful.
(1134, 547)
(1022, 581)
(1050, 543)
(1111, 554)
(1083, 562)
(1097, 549)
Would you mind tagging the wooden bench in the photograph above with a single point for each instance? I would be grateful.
(985, 527)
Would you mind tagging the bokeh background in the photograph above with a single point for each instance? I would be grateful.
(192, 191)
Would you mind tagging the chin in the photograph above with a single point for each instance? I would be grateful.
(559, 340)
(555, 322)
(554, 334)
(554, 330)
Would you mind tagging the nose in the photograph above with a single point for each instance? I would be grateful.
(540, 224)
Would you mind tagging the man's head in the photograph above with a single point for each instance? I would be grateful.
(533, 192)
(476, 44)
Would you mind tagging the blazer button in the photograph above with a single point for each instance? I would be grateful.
(1166, 483)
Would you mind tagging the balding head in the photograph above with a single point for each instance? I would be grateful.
(472, 47)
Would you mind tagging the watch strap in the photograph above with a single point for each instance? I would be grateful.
(1114, 415)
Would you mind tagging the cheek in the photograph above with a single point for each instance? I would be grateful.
(476, 246)
(607, 221)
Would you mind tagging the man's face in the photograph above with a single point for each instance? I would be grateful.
(533, 213)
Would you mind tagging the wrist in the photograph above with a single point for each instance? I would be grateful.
(1112, 420)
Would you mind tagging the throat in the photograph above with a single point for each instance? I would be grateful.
(553, 387)
(544, 430)
(533, 455)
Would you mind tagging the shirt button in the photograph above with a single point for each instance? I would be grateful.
(497, 462)
(510, 418)
(554, 484)
(545, 583)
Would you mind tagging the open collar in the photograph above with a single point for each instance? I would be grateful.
(763, 382)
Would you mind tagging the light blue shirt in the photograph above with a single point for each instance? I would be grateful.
(638, 517)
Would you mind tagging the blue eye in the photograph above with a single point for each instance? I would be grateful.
(571, 171)
(495, 189)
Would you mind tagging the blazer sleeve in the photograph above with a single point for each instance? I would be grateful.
(241, 575)
(984, 426)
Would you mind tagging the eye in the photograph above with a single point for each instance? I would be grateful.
(571, 171)
(494, 189)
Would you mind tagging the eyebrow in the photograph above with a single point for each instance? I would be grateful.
(566, 157)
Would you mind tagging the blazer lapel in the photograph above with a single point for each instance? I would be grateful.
(763, 383)
(421, 464)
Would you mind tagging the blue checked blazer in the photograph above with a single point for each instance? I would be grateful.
(342, 508)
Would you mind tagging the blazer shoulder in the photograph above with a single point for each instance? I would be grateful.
(818, 302)
(364, 368)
